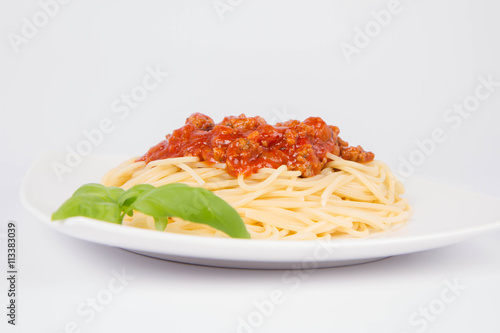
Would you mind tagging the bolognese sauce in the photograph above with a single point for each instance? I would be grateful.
(247, 144)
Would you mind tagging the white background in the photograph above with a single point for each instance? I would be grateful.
(271, 58)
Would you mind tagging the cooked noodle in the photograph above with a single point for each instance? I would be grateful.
(346, 199)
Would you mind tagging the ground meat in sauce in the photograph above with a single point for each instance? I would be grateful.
(247, 144)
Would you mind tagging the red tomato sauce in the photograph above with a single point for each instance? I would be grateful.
(247, 144)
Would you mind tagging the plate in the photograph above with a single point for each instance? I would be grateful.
(442, 216)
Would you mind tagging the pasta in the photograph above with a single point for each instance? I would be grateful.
(346, 199)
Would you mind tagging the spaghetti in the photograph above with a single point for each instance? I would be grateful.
(346, 198)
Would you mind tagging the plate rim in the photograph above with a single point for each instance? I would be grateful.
(339, 249)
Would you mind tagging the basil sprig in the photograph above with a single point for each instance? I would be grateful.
(193, 204)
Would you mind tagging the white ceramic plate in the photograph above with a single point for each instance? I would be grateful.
(442, 216)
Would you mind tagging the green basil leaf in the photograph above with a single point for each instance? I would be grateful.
(115, 193)
(89, 206)
(191, 204)
(92, 200)
(109, 194)
(161, 223)
(127, 198)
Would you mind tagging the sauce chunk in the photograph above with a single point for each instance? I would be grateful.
(247, 144)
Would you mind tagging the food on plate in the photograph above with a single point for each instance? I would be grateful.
(292, 181)
(112, 204)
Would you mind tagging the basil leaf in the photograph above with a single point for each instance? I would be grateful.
(115, 193)
(109, 194)
(161, 223)
(191, 204)
(127, 198)
(90, 205)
